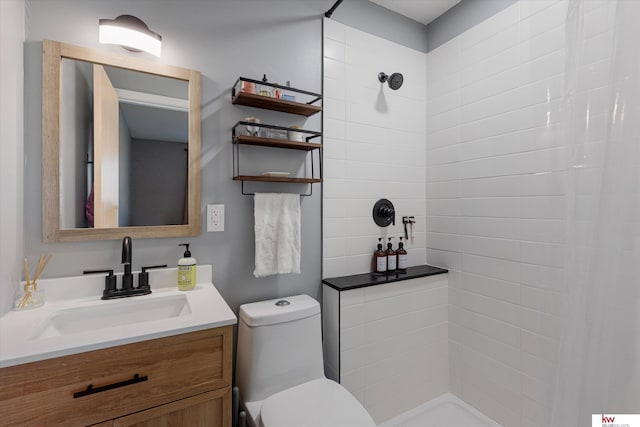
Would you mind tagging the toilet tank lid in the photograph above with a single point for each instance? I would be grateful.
(279, 310)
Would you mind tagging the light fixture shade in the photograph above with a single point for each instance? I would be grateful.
(130, 33)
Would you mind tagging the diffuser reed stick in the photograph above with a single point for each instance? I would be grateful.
(42, 263)
(31, 285)
(26, 270)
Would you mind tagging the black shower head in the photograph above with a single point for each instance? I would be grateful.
(394, 81)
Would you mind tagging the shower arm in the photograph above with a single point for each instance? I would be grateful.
(333, 9)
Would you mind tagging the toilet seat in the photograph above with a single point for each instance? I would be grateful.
(317, 403)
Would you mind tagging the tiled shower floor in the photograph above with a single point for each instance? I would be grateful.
(444, 411)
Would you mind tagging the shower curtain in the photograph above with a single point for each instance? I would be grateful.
(599, 360)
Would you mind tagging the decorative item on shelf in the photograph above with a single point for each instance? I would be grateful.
(30, 296)
(276, 174)
(277, 92)
(276, 133)
(252, 130)
(249, 87)
(264, 90)
(295, 135)
(287, 96)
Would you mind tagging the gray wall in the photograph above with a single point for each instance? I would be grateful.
(377, 20)
(460, 18)
(158, 182)
(12, 29)
(223, 40)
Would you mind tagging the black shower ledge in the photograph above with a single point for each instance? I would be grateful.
(356, 281)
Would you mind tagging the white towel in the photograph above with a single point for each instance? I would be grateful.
(277, 228)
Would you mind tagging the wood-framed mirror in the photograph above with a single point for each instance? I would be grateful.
(120, 146)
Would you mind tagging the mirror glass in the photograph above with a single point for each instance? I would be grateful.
(134, 172)
(121, 146)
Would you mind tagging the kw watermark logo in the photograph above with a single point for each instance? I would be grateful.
(615, 420)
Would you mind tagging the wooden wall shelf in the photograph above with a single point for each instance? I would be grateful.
(277, 179)
(267, 103)
(278, 143)
(272, 132)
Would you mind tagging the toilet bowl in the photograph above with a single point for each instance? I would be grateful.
(279, 369)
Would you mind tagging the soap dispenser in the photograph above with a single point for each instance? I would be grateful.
(380, 259)
(403, 257)
(391, 257)
(186, 270)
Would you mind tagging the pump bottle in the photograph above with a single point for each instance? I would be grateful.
(391, 257)
(403, 258)
(380, 259)
(186, 270)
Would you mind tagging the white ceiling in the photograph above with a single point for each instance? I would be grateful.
(423, 11)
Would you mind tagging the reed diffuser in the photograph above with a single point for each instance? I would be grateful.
(31, 296)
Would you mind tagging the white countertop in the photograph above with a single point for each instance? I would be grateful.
(19, 329)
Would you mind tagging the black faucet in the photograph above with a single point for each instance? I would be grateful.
(127, 278)
(110, 287)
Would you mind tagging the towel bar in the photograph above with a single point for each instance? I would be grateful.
(253, 194)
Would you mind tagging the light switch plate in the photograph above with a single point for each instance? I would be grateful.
(215, 218)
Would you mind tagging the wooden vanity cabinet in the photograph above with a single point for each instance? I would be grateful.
(178, 380)
(206, 409)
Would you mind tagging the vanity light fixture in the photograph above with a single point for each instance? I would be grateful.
(131, 33)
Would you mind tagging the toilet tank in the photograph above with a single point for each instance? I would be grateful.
(279, 346)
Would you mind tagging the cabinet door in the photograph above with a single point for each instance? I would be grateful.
(211, 409)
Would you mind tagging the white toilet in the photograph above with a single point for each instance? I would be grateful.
(280, 369)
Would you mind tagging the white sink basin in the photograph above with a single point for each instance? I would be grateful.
(126, 311)
(74, 319)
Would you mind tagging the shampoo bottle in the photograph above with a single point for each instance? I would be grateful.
(391, 257)
(380, 259)
(403, 258)
(186, 270)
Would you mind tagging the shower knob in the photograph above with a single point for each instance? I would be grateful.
(384, 213)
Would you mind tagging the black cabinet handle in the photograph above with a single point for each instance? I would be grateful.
(90, 390)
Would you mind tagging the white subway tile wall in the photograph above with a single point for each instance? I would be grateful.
(374, 147)
(491, 167)
(496, 198)
(393, 344)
